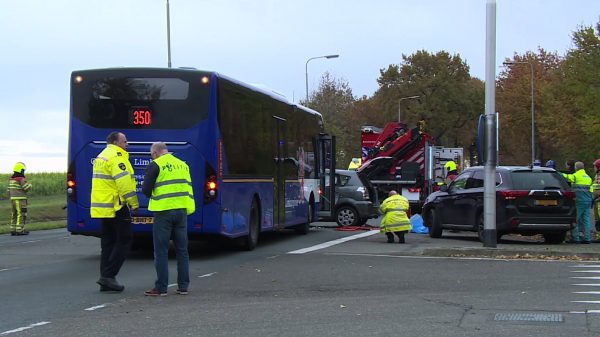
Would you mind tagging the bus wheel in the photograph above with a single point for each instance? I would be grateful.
(304, 228)
(248, 242)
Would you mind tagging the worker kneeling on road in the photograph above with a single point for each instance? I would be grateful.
(395, 220)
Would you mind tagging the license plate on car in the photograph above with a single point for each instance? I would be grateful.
(546, 202)
(143, 219)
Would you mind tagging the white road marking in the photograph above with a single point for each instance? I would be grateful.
(587, 284)
(7, 269)
(586, 271)
(24, 328)
(586, 266)
(207, 275)
(95, 307)
(587, 292)
(29, 241)
(171, 285)
(586, 277)
(592, 302)
(334, 242)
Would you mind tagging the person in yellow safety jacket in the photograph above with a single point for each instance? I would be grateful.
(354, 163)
(168, 184)
(113, 199)
(18, 186)
(581, 183)
(451, 172)
(596, 192)
(395, 220)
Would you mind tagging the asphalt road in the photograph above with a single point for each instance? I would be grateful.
(293, 285)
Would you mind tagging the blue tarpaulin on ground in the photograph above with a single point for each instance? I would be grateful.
(417, 225)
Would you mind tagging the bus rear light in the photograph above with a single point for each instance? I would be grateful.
(71, 187)
(78, 79)
(204, 80)
(414, 189)
(210, 188)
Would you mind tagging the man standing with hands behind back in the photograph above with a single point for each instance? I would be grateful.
(113, 196)
(168, 184)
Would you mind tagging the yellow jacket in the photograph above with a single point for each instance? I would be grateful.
(395, 219)
(113, 183)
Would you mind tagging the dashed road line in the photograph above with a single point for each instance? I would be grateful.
(333, 242)
(96, 307)
(24, 328)
(207, 275)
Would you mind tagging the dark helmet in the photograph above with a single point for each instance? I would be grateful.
(551, 163)
(597, 164)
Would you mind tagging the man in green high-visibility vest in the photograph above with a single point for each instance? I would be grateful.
(168, 184)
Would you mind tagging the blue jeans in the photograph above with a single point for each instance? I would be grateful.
(171, 224)
(584, 224)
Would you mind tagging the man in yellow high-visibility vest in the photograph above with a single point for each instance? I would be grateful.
(168, 184)
(113, 197)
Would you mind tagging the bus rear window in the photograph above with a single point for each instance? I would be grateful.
(140, 102)
(141, 89)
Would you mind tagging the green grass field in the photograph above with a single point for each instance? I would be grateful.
(45, 202)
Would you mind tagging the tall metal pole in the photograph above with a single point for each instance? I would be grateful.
(402, 99)
(306, 69)
(168, 36)
(532, 118)
(489, 183)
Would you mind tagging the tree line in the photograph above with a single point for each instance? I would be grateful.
(566, 96)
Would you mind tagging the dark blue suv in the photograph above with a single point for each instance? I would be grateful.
(529, 201)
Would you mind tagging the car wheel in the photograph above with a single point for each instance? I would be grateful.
(554, 238)
(435, 228)
(346, 216)
(481, 228)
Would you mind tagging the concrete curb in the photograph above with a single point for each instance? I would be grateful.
(544, 254)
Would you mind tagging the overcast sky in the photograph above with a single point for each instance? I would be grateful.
(263, 42)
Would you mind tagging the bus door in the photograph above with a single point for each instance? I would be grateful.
(280, 174)
(326, 170)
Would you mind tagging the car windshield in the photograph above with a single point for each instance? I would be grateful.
(537, 180)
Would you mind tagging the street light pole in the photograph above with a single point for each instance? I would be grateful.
(306, 68)
(400, 100)
(168, 37)
(532, 107)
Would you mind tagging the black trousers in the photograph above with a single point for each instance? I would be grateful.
(115, 242)
(400, 236)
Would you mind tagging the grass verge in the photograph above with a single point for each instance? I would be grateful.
(43, 212)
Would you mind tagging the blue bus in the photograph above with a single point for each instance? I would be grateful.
(257, 161)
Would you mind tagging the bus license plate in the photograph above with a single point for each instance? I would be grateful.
(546, 202)
(142, 219)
